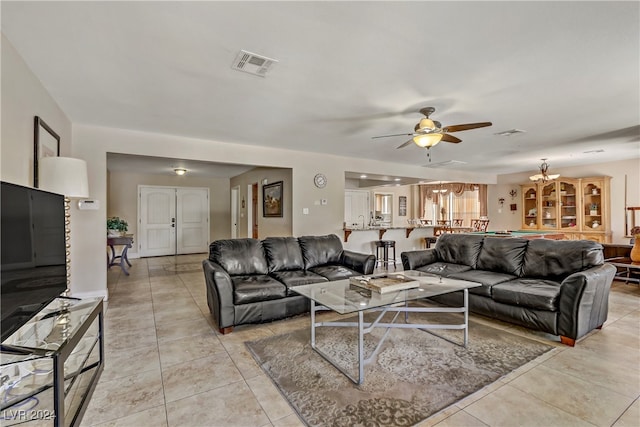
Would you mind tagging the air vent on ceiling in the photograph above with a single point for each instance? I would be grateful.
(510, 132)
(252, 63)
(444, 164)
(600, 150)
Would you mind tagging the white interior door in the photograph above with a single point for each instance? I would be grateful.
(356, 208)
(235, 196)
(192, 220)
(157, 232)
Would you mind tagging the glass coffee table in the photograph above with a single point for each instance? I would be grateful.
(341, 297)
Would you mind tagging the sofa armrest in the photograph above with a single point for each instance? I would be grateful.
(219, 293)
(584, 300)
(362, 263)
(415, 259)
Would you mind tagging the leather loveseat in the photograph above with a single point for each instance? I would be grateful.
(251, 281)
(559, 287)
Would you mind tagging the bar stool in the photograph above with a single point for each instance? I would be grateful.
(383, 259)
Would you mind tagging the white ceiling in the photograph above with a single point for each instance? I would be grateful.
(566, 72)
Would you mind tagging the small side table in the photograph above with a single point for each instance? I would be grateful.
(632, 268)
(127, 242)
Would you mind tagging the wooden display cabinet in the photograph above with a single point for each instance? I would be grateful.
(578, 208)
(529, 207)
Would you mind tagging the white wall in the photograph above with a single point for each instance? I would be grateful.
(271, 226)
(616, 170)
(122, 200)
(23, 98)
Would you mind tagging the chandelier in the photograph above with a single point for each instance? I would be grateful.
(543, 176)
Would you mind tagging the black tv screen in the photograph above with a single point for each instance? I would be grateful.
(33, 270)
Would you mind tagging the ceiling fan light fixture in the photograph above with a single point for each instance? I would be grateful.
(426, 124)
(427, 140)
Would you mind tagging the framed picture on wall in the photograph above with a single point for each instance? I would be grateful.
(46, 143)
(272, 200)
(402, 206)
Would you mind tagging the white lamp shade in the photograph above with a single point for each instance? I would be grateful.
(63, 175)
(427, 140)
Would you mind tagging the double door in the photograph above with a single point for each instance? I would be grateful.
(173, 220)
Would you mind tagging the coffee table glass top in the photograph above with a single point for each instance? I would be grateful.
(342, 298)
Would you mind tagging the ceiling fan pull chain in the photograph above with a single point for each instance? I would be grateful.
(429, 154)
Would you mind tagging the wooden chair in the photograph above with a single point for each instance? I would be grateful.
(442, 229)
(426, 222)
(479, 224)
(444, 222)
(457, 222)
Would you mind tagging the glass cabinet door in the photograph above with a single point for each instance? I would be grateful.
(530, 206)
(549, 199)
(568, 204)
(592, 205)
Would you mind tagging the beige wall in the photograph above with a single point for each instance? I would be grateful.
(266, 226)
(616, 170)
(23, 98)
(122, 199)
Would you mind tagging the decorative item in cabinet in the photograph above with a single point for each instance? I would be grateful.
(529, 206)
(568, 204)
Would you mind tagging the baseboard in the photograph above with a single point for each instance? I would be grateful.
(96, 294)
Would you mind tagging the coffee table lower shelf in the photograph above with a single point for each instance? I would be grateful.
(368, 327)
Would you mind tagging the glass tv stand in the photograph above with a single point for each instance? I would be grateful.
(51, 365)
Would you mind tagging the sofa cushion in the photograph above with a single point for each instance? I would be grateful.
(239, 256)
(486, 278)
(502, 254)
(256, 288)
(320, 250)
(444, 269)
(533, 293)
(283, 253)
(459, 248)
(556, 259)
(295, 278)
(334, 272)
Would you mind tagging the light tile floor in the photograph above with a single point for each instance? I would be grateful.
(166, 364)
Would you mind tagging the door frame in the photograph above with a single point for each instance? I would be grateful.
(235, 209)
(175, 188)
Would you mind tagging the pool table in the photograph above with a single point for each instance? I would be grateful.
(524, 234)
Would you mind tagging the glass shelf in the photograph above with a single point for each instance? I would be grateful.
(52, 364)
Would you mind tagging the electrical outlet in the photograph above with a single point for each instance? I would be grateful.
(305, 211)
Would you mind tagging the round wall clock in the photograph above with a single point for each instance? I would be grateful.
(320, 180)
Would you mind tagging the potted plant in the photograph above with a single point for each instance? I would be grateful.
(116, 227)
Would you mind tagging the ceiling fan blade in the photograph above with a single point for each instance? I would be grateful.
(467, 126)
(405, 144)
(396, 134)
(450, 138)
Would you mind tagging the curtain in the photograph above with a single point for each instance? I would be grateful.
(461, 200)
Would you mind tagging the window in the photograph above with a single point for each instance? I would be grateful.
(459, 201)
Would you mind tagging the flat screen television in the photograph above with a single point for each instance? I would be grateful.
(33, 270)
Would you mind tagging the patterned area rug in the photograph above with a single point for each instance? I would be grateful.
(415, 374)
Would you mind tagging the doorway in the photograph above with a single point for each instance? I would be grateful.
(235, 196)
(254, 210)
(173, 220)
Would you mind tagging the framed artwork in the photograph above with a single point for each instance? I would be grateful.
(402, 206)
(46, 143)
(272, 200)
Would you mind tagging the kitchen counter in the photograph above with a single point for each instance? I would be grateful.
(382, 230)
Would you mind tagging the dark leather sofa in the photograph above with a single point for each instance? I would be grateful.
(251, 281)
(556, 286)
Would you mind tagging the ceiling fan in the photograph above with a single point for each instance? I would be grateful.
(428, 133)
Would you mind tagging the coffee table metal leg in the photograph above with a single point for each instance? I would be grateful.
(360, 347)
(466, 317)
